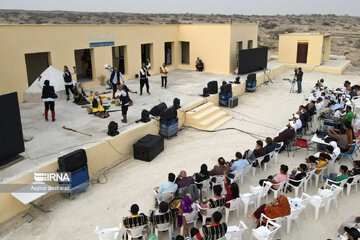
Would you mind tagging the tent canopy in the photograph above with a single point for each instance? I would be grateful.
(53, 75)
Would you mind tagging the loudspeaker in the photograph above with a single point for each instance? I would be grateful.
(176, 103)
(72, 161)
(205, 92)
(251, 76)
(145, 116)
(148, 147)
(225, 89)
(212, 87)
(168, 114)
(155, 111)
(237, 80)
(11, 136)
(113, 129)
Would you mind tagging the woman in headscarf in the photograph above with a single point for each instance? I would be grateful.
(232, 191)
(186, 207)
(202, 175)
(280, 207)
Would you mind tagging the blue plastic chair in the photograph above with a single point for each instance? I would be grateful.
(350, 156)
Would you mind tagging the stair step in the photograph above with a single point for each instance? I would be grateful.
(201, 108)
(204, 113)
(219, 123)
(212, 119)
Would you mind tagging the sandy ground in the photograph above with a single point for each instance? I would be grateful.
(262, 112)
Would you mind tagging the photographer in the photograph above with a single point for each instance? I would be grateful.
(299, 74)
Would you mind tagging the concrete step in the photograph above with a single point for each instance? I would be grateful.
(207, 111)
(212, 119)
(219, 123)
(200, 108)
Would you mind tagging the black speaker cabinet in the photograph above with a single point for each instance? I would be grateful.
(148, 147)
(155, 111)
(72, 161)
(168, 114)
(251, 76)
(212, 87)
(226, 89)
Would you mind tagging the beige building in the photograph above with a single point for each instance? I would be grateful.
(304, 48)
(27, 50)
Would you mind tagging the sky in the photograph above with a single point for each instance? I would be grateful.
(244, 7)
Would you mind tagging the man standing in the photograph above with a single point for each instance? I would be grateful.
(125, 100)
(48, 96)
(164, 72)
(144, 77)
(68, 81)
(299, 75)
(115, 76)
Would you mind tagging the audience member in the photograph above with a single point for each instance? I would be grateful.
(168, 186)
(219, 170)
(297, 175)
(183, 180)
(215, 230)
(161, 215)
(232, 191)
(277, 178)
(135, 219)
(338, 178)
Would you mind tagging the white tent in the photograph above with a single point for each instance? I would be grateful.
(33, 93)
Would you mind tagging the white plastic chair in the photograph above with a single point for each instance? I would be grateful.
(276, 153)
(340, 184)
(296, 209)
(235, 232)
(219, 180)
(166, 197)
(190, 217)
(312, 174)
(354, 182)
(278, 220)
(238, 177)
(205, 190)
(207, 212)
(336, 190)
(234, 206)
(266, 232)
(301, 185)
(248, 199)
(279, 190)
(319, 176)
(163, 228)
(261, 191)
(306, 180)
(136, 232)
(320, 202)
(107, 233)
(259, 159)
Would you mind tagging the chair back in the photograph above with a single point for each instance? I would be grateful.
(238, 174)
(336, 190)
(249, 198)
(163, 226)
(166, 197)
(354, 179)
(234, 204)
(136, 232)
(219, 180)
(106, 233)
(296, 209)
(273, 227)
(191, 217)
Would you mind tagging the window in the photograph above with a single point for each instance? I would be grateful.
(185, 53)
(118, 54)
(168, 53)
(250, 44)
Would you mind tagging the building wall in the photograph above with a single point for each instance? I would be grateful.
(327, 44)
(211, 42)
(288, 48)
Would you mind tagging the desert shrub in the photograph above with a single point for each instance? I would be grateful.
(326, 23)
(269, 25)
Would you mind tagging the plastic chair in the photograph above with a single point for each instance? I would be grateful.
(335, 190)
(248, 199)
(259, 159)
(296, 209)
(190, 218)
(306, 180)
(205, 189)
(238, 177)
(166, 197)
(207, 212)
(266, 232)
(340, 184)
(320, 202)
(279, 190)
(350, 155)
(354, 182)
(235, 232)
(234, 206)
(319, 175)
(301, 185)
(276, 153)
(136, 232)
(278, 220)
(261, 191)
(219, 180)
(304, 200)
(163, 228)
(107, 233)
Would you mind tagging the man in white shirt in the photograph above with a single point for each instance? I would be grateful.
(115, 76)
(297, 121)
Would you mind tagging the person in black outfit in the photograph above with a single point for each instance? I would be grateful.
(125, 101)
(297, 175)
(299, 74)
(68, 81)
(48, 96)
(144, 73)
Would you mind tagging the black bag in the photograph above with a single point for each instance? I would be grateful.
(155, 111)
(113, 129)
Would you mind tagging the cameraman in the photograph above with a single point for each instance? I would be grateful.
(299, 74)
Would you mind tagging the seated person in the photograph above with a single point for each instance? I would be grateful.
(355, 170)
(161, 215)
(204, 174)
(238, 164)
(341, 138)
(232, 191)
(270, 147)
(310, 163)
(79, 95)
(215, 230)
(304, 115)
(219, 170)
(249, 156)
(286, 135)
(280, 207)
(183, 180)
(97, 105)
(186, 228)
(310, 107)
(297, 175)
(353, 221)
(135, 219)
(348, 116)
(259, 151)
(169, 186)
(338, 178)
(322, 162)
(278, 178)
(185, 207)
(199, 65)
(217, 201)
(298, 123)
(336, 152)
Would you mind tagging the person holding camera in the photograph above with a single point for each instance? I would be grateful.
(299, 74)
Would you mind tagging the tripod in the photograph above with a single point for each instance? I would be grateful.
(268, 77)
(292, 88)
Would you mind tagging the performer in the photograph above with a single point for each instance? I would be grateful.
(115, 76)
(164, 72)
(125, 101)
(68, 81)
(144, 77)
(79, 95)
(97, 105)
(48, 96)
(299, 74)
